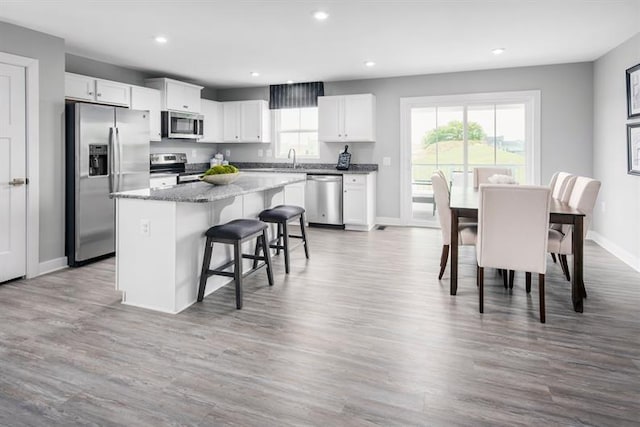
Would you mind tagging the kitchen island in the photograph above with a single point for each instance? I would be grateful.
(160, 235)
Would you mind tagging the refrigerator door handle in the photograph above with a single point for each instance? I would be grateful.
(119, 157)
(111, 161)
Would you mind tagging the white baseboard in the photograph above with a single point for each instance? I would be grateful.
(615, 250)
(52, 265)
(385, 220)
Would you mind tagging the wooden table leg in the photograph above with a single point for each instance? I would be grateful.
(453, 287)
(577, 284)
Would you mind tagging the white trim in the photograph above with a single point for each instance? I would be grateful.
(52, 265)
(532, 101)
(615, 250)
(33, 157)
(384, 220)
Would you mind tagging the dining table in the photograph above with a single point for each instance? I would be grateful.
(464, 204)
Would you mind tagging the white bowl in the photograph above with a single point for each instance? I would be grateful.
(221, 179)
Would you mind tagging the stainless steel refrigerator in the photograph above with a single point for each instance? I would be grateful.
(107, 150)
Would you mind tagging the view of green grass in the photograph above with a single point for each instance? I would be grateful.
(452, 153)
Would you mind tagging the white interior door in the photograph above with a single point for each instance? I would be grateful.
(13, 193)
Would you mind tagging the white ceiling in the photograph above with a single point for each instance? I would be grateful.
(218, 43)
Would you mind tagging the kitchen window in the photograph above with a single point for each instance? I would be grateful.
(297, 128)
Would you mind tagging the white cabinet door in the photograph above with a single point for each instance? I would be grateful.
(329, 118)
(358, 115)
(79, 87)
(231, 121)
(213, 121)
(354, 204)
(182, 97)
(144, 98)
(250, 121)
(294, 194)
(113, 93)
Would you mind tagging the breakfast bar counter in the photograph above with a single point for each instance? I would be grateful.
(160, 234)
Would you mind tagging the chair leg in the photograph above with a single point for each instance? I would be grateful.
(541, 292)
(505, 278)
(481, 289)
(512, 275)
(237, 273)
(256, 252)
(267, 255)
(304, 236)
(565, 266)
(443, 260)
(553, 257)
(285, 238)
(208, 249)
(528, 281)
(279, 237)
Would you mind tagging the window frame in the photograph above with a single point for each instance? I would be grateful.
(277, 132)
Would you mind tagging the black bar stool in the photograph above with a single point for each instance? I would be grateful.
(282, 215)
(235, 233)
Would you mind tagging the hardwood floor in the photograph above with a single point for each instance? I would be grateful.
(363, 334)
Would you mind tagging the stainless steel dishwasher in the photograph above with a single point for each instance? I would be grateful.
(324, 199)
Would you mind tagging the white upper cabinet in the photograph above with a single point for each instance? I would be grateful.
(85, 88)
(177, 95)
(213, 121)
(347, 118)
(246, 121)
(79, 87)
(145, 98)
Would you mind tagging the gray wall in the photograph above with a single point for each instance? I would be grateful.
(566, 117)
(618, 208)
(49, 51)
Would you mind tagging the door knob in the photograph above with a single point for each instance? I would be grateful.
(19, 181)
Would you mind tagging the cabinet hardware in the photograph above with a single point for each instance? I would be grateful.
(98, 94)
(185, 106)
(19, 181)
(90, 93)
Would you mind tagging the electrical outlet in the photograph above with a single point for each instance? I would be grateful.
(145, 227)
(269, 153)
(260, 153)
(386, 161)
(227, 153)
(194, 154)
(602, 207)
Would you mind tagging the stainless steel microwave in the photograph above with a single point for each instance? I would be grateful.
(182, 125)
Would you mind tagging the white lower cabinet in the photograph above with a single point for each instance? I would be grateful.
(163, 181)
(359, 201)
(294, 194)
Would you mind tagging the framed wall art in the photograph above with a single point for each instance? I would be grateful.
(633, 148)
(633, 92)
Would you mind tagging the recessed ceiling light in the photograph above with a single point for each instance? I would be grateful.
(320, 15)
(289, 82)
(255, 74)
(369, 63)
(161, 39)
(498, 51)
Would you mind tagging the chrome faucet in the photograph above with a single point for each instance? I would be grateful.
(294, 156)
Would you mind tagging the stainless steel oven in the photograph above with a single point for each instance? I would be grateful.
(182, 125)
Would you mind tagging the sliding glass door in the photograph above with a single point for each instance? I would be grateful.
(456, 135)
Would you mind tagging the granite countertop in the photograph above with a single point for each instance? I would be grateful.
(313, 168)
(201, 192)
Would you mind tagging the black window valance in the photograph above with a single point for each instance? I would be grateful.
(295, 95)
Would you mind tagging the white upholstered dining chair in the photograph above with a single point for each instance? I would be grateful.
(467, 232)
(513, 224)
(583, 197)
(481, 174)
(561, 186)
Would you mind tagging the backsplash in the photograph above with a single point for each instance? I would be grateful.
(196, 152)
